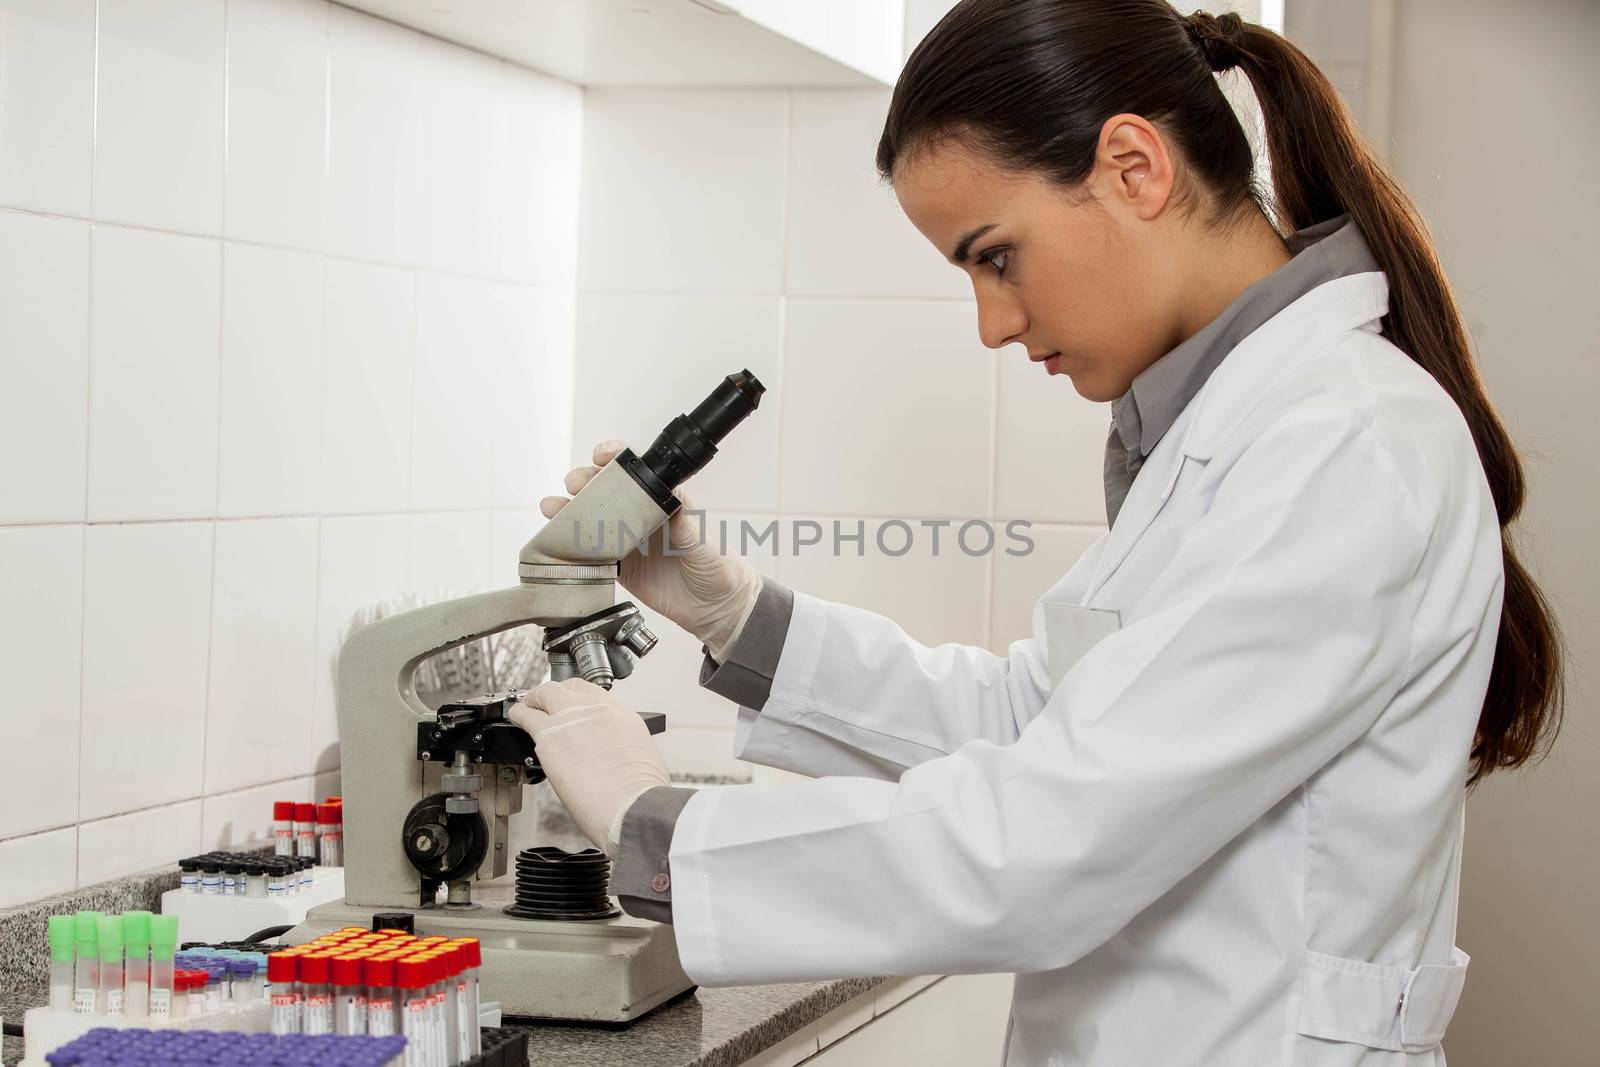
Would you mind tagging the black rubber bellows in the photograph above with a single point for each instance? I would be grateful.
(553, 883)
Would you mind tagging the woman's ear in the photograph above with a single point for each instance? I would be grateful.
(1133, 168)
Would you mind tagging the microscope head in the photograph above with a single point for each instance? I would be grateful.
(573, 559)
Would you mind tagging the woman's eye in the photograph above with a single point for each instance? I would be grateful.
(996, 259)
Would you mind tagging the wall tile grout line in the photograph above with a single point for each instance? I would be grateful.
(223, 262)
(45, 523)
(1073, 524)
(396, 264)
(201, 797)
(88, 399)
(897, 298)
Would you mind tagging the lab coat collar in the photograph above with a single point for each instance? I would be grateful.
(1264, 359)
(1320, 253)
(1261, 361)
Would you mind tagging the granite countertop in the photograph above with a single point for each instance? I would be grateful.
(709, 1028)
(12, 1005)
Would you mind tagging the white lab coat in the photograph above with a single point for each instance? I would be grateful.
(1230, 835)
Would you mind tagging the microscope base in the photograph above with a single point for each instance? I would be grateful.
(608, 972)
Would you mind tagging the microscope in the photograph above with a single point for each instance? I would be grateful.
(427, 794)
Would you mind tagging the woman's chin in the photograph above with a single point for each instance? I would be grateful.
(1091, 387)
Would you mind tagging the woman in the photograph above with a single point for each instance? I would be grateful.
(1212, 812)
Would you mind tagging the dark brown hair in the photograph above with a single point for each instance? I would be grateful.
(1029, 83)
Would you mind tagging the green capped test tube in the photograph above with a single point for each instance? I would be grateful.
(136, 978)
(110, 938)
(62, 930)
(86, 971)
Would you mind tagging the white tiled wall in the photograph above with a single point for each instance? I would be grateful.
(286, 326)
(759, 236)
(293, 319)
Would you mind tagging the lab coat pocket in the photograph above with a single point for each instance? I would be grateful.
(1394, 1008)
(1070, 631)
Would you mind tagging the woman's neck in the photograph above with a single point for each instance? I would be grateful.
(1224, 264)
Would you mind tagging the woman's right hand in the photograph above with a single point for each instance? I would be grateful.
(705, 592)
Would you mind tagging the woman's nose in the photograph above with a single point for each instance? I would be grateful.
(1000, 321)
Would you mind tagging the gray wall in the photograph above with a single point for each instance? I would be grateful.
(1491, 124)
(1495, 120)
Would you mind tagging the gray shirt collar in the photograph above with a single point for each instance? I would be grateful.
(1142, 416)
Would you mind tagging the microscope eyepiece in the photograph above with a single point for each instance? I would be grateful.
(726, 407)
(690, 441)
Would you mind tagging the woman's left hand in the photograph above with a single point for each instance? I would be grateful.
(598, 755)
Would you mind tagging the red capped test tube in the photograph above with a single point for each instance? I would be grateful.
(467, 989)
(383, 1004)
(316, 994)
(305, 830)
(283, 828)
(349, 995)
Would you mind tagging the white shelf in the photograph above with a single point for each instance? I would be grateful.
(673, 42)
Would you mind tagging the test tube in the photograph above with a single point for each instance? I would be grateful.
(455, 1021)
(221, 966)
(163, 941)
(283, 973)
(383, 1012)
(246, 989)
(189, 874)
(330, 835)
(136, 977)
(443, 1039)
(262, 981)
(305, 830)
(283, 828)
(198, 999)
(61, 930)
(110, 943)
(316, 994)
(349, 995)
(210, 875)
(86, 971)
(277, 879)
(472, 960)
(255, 877)
(412, 976)
(450, 1002)
(180, 1000)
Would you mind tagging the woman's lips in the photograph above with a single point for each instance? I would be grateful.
(1051, 361)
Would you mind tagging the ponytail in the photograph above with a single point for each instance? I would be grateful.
(1030, 82)
(1322, 167)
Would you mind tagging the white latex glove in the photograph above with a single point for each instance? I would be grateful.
(598, 755)
(705, 592)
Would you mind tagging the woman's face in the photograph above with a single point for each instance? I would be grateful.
(1071, 275)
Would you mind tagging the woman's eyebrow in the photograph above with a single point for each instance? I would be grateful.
(965, 245)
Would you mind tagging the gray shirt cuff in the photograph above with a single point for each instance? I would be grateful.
(640, 878)
(746, 677)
